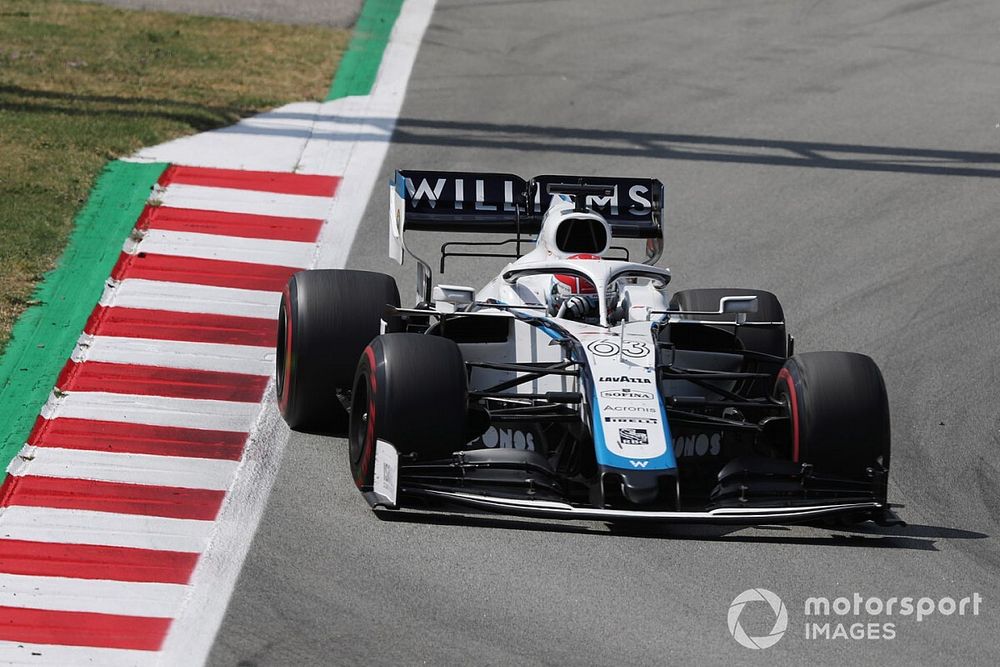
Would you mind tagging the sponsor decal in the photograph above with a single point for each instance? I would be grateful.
(631, 420)
(624, 379)
(631, 408)
(461, 194)
(631, 196)
(638, 464)
(609, 347)
(633, 437)
(628, 394)
(701, 444)
(507, 438)
(386, 471)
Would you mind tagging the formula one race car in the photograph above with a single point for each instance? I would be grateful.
(573, 385)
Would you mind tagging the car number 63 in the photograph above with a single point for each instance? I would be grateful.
(607, 347)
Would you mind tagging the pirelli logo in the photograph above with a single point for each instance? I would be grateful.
(630, 420)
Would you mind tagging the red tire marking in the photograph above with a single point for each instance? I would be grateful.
(245, 225)
(266, 181)
(190, 327)
(286, 375)
(161, 381)
(198, 271)
(368, 453)
(794, 405)
(86, 561)
(74, 628)
(120, 437)
(118, 497)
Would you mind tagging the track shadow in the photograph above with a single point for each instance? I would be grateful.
(704, 148)
(648, 145)
(200, 117)
(868, 536)
(533, 138)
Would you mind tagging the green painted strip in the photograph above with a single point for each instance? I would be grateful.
(358, 67)
(44, 336)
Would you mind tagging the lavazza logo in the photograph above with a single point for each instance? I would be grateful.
(853, 618)
(625, 379)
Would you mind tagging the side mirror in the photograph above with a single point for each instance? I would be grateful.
(457, 295)
(737, 304)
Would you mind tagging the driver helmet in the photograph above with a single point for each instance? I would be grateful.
(579, 295)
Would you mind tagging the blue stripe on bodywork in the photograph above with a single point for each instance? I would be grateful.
(550, 328)
(666, 430)
(600, 446)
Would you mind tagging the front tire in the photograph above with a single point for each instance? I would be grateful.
(839, 411)
(411, 391)
(326, 318)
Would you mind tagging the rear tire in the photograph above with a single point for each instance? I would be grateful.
(325, 320)
(411, 391)
(839, 410)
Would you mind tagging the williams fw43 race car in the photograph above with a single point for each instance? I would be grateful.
(574, 384)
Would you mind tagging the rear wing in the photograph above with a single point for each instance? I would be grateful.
(448, 201)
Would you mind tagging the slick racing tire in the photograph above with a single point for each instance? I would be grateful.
(325, 320)
(839, 412)
(410, 390)
(769, 340)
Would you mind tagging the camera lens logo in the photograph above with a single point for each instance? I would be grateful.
(780, 618)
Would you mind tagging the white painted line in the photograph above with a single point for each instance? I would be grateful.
(228, 248)
(254, 202)
(91, 595)
(153, 410)
(185, 298)
(43, 524)
(247, 359)
(148, 469)
(53, 655)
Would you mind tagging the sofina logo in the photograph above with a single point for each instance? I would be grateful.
(780, 618)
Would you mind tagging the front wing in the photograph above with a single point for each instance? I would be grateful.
(771, 493)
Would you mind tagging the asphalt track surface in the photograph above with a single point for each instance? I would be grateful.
(843, 155)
